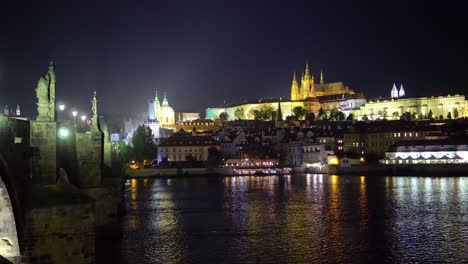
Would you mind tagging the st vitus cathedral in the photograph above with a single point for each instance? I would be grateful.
(310, 89)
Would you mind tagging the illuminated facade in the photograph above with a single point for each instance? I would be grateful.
(419, 107)
(427, 152)
(182, 147)
(310, 89)
(309, 95)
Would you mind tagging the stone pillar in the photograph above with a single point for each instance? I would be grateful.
(44, 157)
(89, 148)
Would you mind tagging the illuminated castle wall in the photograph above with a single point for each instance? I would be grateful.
(392, 108)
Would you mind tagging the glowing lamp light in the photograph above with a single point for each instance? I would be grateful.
(63, 132)
(83, 117)
(74, 113)
(61, 107)
(333, 161)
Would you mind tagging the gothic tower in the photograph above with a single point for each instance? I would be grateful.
(294, 88)
(394, 92)
(321, 78)
(307, 84)
(157, 107)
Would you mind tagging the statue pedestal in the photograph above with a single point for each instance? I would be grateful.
(89, 156)
(44, 158)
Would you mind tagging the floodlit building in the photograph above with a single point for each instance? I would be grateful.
(181, 147)
(446, 151)
(309, 95)
(434, 107)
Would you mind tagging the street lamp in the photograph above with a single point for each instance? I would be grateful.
(74, 114)
(83, 117)
(63, 132)
(61, 107)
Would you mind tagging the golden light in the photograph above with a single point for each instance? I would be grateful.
(333, 161)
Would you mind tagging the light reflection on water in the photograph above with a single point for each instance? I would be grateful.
(296, 219)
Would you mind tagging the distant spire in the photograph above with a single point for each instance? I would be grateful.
(165, 102)
(279, 116)
(5, 111)
(307, 73)
(394, 92)
(401, 93)
(18, 111)
(156, 99)
(294, 77)
(321, 77)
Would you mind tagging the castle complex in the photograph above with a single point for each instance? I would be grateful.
(309, 95)
(314, 96)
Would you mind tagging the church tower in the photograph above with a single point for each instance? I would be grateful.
(401, 93)
(18, 111)
(394, 92)
(157, 107)
(294, 88)
(307, 83)
(321, 78)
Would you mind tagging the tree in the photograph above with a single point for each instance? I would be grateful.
(266, 112)
(125, 152)
(299, 112)
(214, 157)
(341, 116)
(223, 116)
(455, 113)
(239, 113)
(321, 114)
(449, 115)
(430, 115)
(350, 117)
(334, 114)
(310, 117)
(385, 114)
(414, 116)
(365, 118)
(406, 116)
(395, 115)
(143, 144)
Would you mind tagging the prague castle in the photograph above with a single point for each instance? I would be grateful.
(309, 95)
(314, 96)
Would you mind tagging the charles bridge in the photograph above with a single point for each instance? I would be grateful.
(58, 191)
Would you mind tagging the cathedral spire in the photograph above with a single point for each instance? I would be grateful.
(307, 73)
(294, 88)
(321, 77)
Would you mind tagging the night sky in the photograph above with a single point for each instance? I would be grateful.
(204, 52)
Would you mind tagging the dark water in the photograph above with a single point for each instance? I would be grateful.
(296, 219)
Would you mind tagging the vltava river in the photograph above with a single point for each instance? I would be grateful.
(296, 219)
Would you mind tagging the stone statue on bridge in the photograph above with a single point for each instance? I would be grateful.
(45, 93)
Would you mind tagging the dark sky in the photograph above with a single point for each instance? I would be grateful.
(205, 52)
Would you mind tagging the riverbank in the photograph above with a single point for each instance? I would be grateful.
(377, 170)
(402, 170)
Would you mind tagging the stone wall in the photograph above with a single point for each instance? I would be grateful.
(44, 157)
(62, 233)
